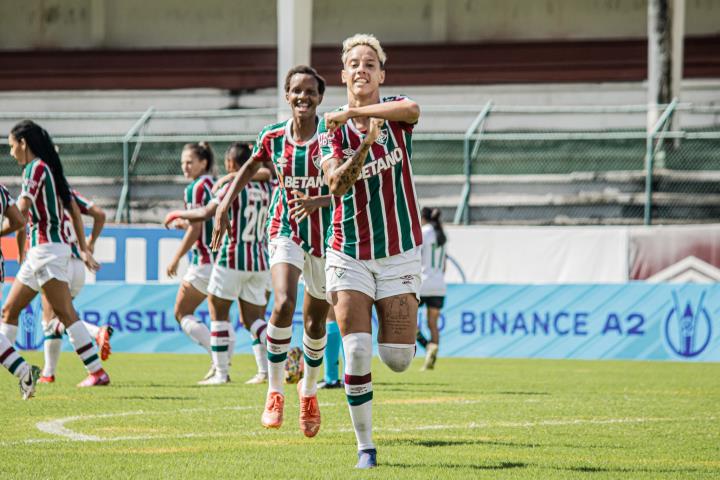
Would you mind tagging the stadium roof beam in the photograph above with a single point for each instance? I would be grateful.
(294, 19)
(666, 32)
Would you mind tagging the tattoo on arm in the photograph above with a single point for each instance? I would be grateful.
(349, 171)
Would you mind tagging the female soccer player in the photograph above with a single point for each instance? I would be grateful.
(11, 220)
(46, 194)
(240, 271)
(196, 162)
(433, 288)
(52, 328)
(297, 245)
(373, 256)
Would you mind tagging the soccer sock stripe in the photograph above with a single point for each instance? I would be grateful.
(358, 385)
(219, 342)
(84, 346)
(196, 330)
(258, 329)
(10, 359)
(314, 350)
(278, 344)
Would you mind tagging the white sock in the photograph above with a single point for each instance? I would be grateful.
(258, 330)
(278, 344)
(10, 331)
(358, 385)
(196, 330)
(231, 344)
(260, 353)
(219, 341)
(51, 347)
(84, 346)
(10, 359)
(92, 329)
(314, 349)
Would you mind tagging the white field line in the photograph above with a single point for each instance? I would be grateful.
(58, 426)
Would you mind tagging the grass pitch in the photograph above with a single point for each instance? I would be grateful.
(470, 418)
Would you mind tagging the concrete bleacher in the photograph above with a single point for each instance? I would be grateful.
(520, 182)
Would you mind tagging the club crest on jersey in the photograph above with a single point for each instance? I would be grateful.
(316, 160)
(382, 137)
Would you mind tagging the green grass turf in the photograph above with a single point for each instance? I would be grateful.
(470, 418)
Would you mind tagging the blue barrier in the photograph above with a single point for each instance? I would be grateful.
(627, 321)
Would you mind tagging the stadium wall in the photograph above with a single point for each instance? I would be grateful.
(86, 24)
(561, 293)
(626, 321)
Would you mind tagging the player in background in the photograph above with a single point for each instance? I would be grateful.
(240, 270)
(52, 328)
(45, 194)
(196, 162)
(12, 220)
(297, 242)
(333, 350)
(433, 288)
(373, 255)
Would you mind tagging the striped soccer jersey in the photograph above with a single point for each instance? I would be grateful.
(298, 168)
(197, 195)
(378, 216)
(433, 264)
(245, 246)
(84, 204)
(5, 202)
(46, 210)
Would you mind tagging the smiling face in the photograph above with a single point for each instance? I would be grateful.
(303, 95)
(362, 72)
(192, 166)
(19, 150)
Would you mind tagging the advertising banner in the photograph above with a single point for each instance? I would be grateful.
(618, 321)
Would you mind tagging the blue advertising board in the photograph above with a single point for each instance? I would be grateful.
(625, 321)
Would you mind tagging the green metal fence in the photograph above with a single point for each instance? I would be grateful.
(680, 166)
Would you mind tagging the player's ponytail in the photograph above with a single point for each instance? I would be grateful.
(39, 142)
(432, 216)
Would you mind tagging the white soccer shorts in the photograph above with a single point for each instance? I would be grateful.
(43, 263)
(199, 277)
(378, 279)
(231, 284)
(284, 250)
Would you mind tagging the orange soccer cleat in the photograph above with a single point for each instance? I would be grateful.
(103, 341)
(97, 379)
(48, 379)
(309, 414)
(272, 417)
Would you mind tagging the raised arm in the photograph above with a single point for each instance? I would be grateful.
(404, 110)
(342, 174)
(194, 215)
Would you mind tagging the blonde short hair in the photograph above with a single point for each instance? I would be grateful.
(367, 39)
